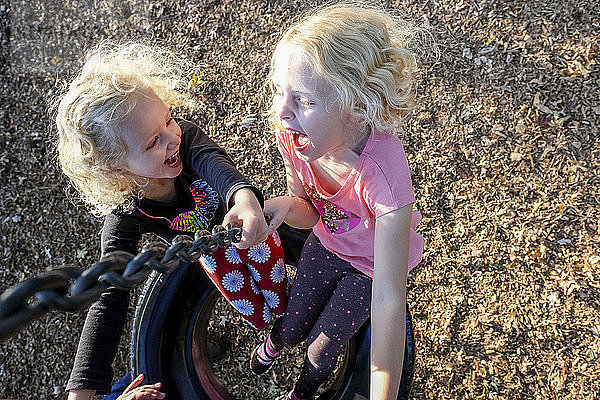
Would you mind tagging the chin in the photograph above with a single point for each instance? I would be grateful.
(174, 173)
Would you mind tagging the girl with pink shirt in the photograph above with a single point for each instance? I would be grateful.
(342, 80)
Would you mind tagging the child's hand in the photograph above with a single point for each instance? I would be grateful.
(247, 212)
(277, 210)
(146, 392)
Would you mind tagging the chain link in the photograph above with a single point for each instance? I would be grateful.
(71, 289)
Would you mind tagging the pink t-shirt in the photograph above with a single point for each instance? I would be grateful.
(379, 183)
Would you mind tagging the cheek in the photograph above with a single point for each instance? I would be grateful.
(177, 128)
(311, 117)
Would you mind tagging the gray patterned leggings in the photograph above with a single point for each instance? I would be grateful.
(328, 303)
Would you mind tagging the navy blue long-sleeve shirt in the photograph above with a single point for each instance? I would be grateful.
(211, 170)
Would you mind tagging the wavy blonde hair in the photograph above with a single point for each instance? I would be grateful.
(91, 112)
(364, 53)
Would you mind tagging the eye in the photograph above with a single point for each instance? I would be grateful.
(153, 142)
(304, 101)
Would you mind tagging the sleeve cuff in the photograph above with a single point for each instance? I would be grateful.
(101, 388)
(236, 187)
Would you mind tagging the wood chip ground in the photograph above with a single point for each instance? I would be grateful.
(504, 150)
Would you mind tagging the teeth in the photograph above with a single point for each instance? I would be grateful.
(172, 159)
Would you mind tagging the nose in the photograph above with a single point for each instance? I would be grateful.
(174, 138)
(283, 108)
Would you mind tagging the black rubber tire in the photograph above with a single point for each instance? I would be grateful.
(160, 336)
(163, 337)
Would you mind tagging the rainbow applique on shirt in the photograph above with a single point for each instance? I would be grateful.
(335, 219)
(207, 202)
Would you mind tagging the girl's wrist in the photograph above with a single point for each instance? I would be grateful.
(244, 195)
(81, 394)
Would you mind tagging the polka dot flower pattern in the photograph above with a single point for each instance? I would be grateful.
(209, 264)
(259, 253)
(253, 280)
(233, 281)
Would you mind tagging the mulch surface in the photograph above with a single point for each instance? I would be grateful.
(503, 148)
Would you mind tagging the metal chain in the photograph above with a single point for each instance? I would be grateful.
(72, 289)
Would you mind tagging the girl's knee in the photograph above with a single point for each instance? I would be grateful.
(322, 352)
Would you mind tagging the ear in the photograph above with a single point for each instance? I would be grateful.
(122, 172)
(353, 118)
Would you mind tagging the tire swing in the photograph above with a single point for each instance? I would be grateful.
(169, 338)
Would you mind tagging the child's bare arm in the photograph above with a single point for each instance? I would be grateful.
(388, 303)
(295, 211)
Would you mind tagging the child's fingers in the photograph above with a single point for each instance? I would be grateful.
(149, 394)
(244, 243)
(259, 233)
(231, 219)
(139, 379)
(152, 388)
(274, 223)
(248, 233)
(254, 232)
(160, 395)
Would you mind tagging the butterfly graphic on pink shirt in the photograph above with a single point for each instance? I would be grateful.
(335, 219)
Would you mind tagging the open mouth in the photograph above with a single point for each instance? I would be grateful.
(301, 141)
(174, 161)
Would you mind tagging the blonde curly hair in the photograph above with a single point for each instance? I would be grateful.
(364, 53)
(91, 112)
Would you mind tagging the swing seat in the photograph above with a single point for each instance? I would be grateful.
(170, 337)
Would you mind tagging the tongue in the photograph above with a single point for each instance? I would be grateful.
(170, 161)
(302, 140)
